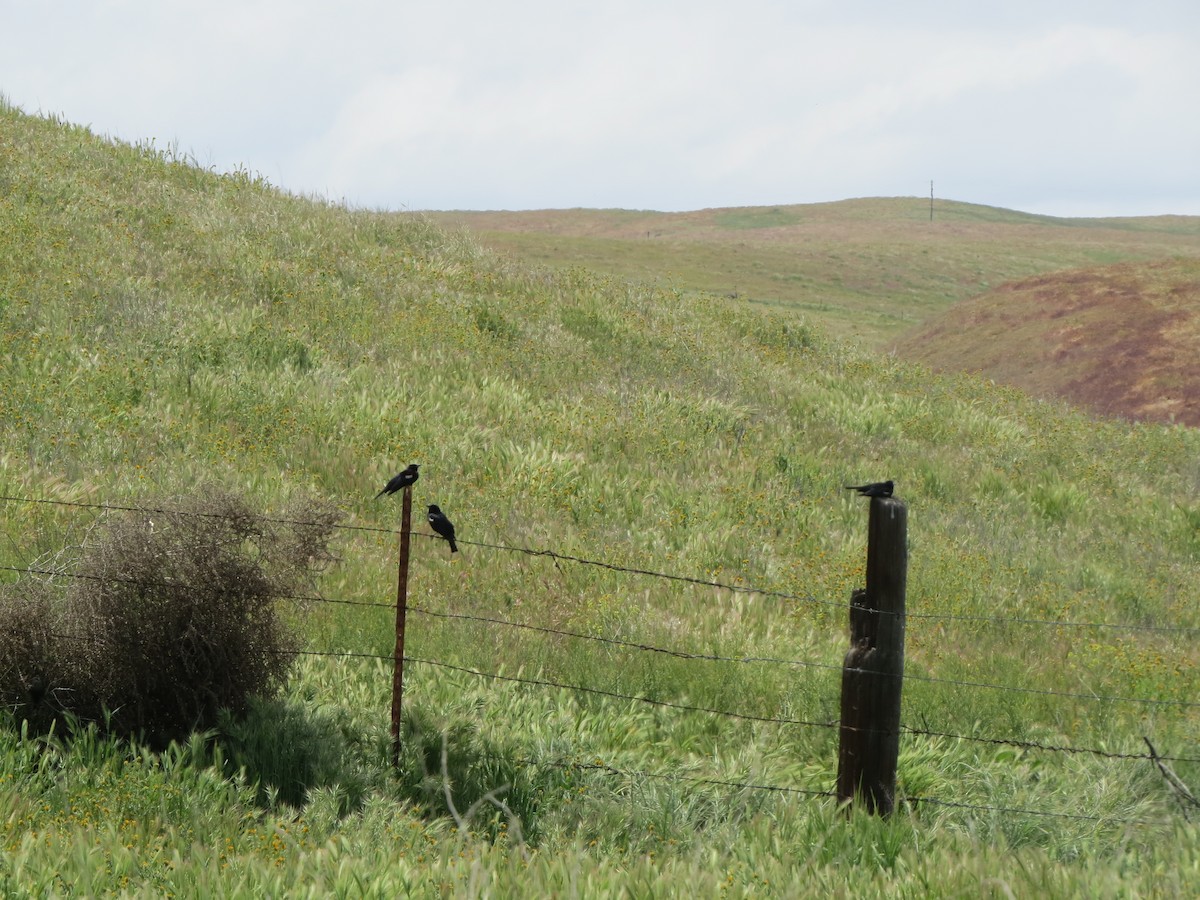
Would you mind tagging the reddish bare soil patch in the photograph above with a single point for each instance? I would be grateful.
(1120, 340)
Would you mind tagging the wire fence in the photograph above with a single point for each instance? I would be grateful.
(1020, 743)
(667, 576)
(912, 802)
(634, 646)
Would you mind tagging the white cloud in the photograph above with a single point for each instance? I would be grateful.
(665, 104)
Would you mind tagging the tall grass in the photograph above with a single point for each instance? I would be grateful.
(164, 327)
(94, 816)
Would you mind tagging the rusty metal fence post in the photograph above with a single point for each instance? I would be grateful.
(401, 613)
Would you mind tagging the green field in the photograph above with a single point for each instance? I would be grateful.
(868, 270)
(165, 328)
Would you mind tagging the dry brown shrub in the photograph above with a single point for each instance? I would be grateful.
(171, 613)
(29, 662)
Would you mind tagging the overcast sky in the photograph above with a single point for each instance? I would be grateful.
(1067, 108)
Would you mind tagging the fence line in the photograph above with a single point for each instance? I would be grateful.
(954, 804)
(803, 598)
(668, 704)
(1030, 745)
(173, 585)
(922, 732)
(812, 664)
(893, 725)
(912, 801)
(671, 776)
(645, 647)
(701, 582)
(632, 645)
(1039, 745)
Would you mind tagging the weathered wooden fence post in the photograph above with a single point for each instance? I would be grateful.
(401, 613)
(873, 671)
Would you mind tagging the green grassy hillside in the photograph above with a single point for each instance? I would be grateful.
(869, 269)
(163, 327)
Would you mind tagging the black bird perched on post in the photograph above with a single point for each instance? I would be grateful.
(874, 489)
(443, 526)
(403, 480)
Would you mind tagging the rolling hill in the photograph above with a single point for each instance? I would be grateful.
(938, 292)
(870, 269)
(626, 683)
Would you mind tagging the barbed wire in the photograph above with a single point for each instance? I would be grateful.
(902, 800)
(912, 802)
(802, 598)
(712, 657)
(175, 585)
(541, 682)
(606, 769)
(681, 654)
(1026, 744)
(1021, 743)
(1017, 810)
(614, 567)
(162, 511)
(650, 573)
(557, 556)
(1018, 743)
(923, 732)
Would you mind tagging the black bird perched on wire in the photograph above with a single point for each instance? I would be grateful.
(443, 526)
(874, 489)
(403, 480)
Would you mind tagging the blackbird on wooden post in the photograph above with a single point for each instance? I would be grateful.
(403, 480)
(874, 489)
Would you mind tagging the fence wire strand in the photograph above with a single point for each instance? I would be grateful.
(632, 570)
(632, 645)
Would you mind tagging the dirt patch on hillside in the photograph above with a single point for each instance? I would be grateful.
(1120, 340)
